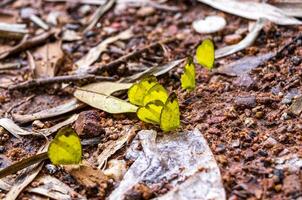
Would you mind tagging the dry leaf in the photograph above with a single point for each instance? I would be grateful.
(253, 10)
(106, 88)
(52, 112)
(114, 145)
(54, 188)
(94, 53)
(104, 102)
(89, 177)
(48, 59)
(25, 178)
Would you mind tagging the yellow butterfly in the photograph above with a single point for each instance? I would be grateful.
(188, 77)
(65, 148)
(205, 54)
(151, 112)
(157, 92)
(170, 115)
(138, 91)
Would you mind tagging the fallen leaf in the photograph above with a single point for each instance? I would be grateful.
(104, 102)
(94, 53)
(52, 112)
(53, 188)
(89, 177)
(106, 88)
(253, 10)
(48, 59)
(114, 145)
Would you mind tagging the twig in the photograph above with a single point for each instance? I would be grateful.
(7, 113)
(27, 43)
(98, 14)
(59, 79)
(130, 55)
(23, 164)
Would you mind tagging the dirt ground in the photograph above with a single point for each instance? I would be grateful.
(248, 122)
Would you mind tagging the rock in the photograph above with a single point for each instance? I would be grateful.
(2, 149)
(37, 124)
(270, 142)
(291, 184)
(138, 192)
(232, 39)
(116, 169)
(210, 24)
(51, 168)
(235, 143)
(145, 11)
(245, 101)
(88, 124)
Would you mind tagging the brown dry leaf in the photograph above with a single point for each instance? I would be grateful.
(48, 59)
(53, 188)
(89, 177)
(253, 10)
(71, 105)
(114, 145)
(25, 177)
(106, 88)
(94, 53)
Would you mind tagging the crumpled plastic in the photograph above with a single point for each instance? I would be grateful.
(184, 160)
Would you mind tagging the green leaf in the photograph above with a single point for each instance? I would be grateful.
(205, 54)
(65, 148)
(188, 77)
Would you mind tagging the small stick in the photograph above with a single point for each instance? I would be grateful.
(27, 43)
(59, 79)
(23, 164)
(98, 14)
(130, 55)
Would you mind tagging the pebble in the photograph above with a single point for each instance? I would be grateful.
(51, 168)
(232, 39)
(38, 124)
(236, 143)
(145, 11)
(2, 149)
(285, 116)
(210, 24)
(249, 122)
(245, 101)
(88, 124)
(270, 142)
(220, 148)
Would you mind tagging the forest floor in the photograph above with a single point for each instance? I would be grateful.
(246, 117)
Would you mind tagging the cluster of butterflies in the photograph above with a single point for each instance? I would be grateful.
(156, 106)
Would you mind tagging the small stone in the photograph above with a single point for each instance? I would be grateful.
(245, 101)
(2, 149)
(295, 60)
(27, 12)
(249, 122)
(210, 24)
(285, 116)
(263, 153)
(259, 115)
(85, 9)
(51, 168)
(37, 124)
(232, 39)
(145, 11)
(236, 143)
(220, 148)
(88, 124)
(270, 142)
